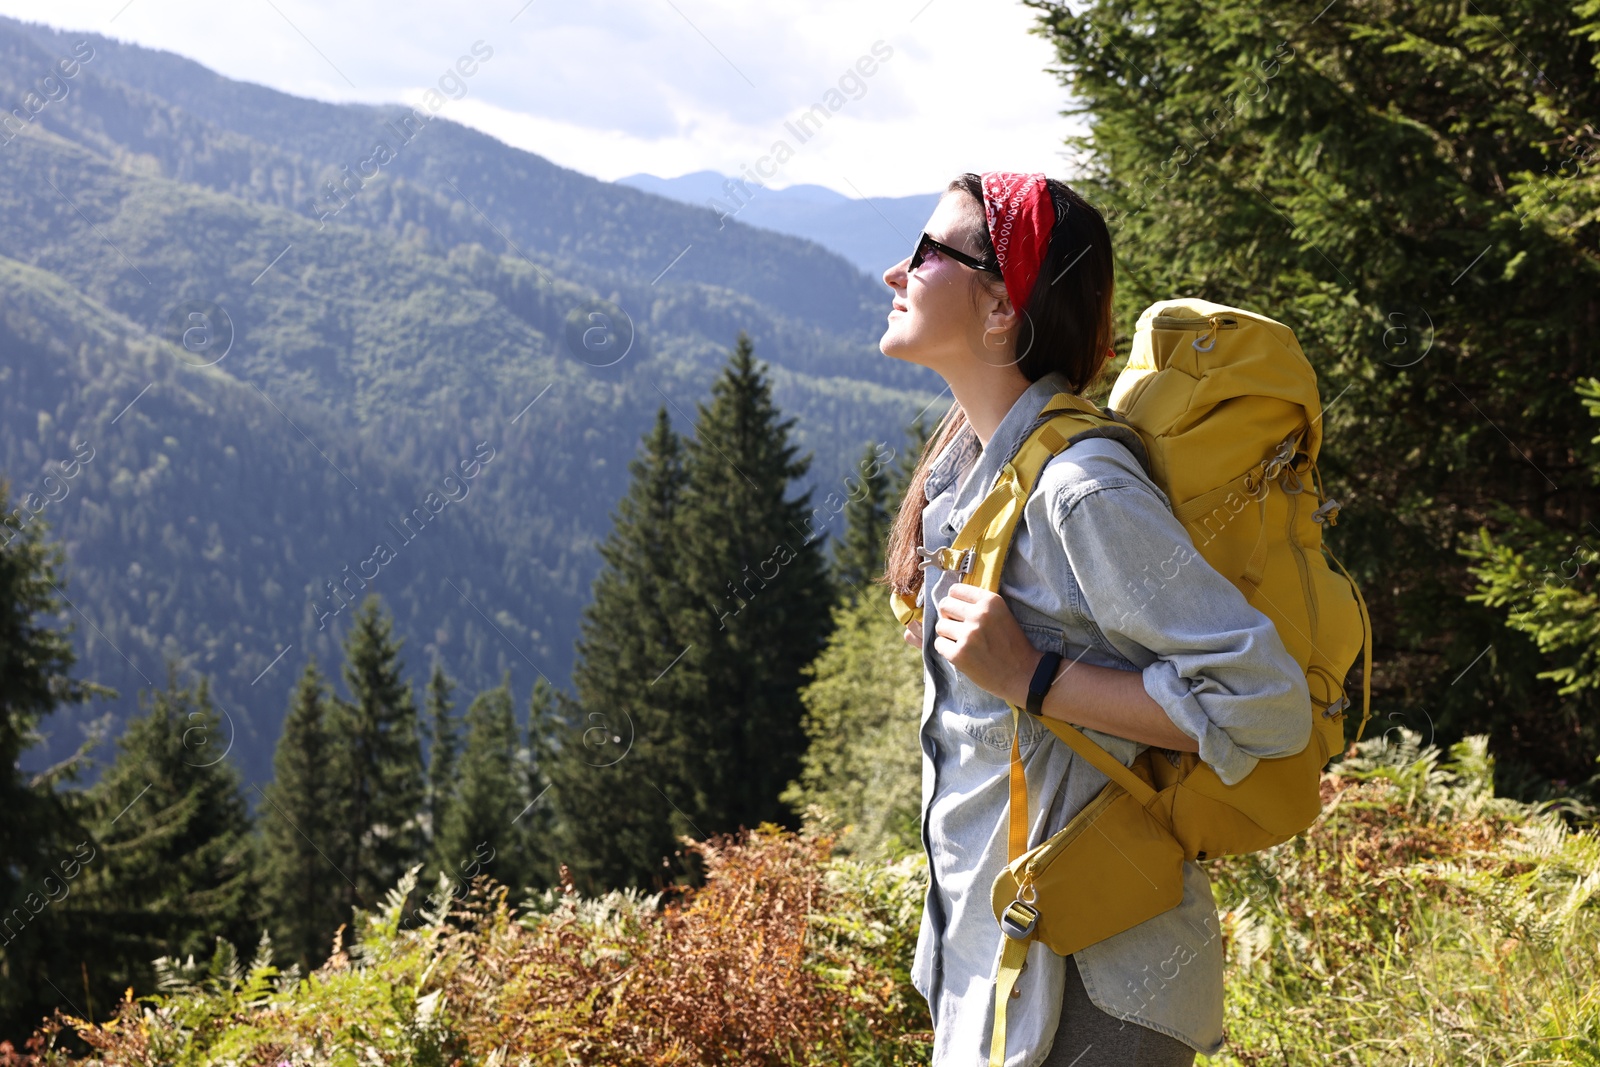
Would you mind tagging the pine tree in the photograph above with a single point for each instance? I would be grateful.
(536, 822)
(757, 595)
(858, 559)
(1547, 582)
(173, 865)
(377, 766)
(303, 886)
(1422, 244)
(441, 753)
(604, 753)
(42, 839)
(479, 831)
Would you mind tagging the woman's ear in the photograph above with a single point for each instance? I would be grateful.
(1000, 314)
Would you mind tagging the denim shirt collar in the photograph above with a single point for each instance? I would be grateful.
(1014, 428)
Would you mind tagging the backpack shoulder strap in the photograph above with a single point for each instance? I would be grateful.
(1104, 422)
(979, 550)
(978, 555)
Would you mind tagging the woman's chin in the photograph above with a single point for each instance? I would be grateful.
(894, 351)
(893, 344)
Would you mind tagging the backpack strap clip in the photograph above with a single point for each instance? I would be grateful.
(945, 559)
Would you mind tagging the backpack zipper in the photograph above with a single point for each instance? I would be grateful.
(1181, 322)
(1212, 324)
(1052, 848)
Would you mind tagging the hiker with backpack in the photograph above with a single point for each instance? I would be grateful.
(1134, 650)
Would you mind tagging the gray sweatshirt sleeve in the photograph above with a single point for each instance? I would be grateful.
(1210, 659)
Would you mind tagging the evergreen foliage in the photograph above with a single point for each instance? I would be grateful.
(480, 826)
(303, 887)
(686, 718)
(1544, 579)
(756, 594)
(1412, 189)
(620, 737)
(377, 764)
(174, 865)
(442, 753)
(858, 560)
(536, 822)
(863, 761)
(43, 843)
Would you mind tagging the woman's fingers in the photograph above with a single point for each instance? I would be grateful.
(913, 636)
(948, 628)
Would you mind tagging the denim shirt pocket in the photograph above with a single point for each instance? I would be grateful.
(988, 717)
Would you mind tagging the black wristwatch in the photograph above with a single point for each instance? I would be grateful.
(1043, 675)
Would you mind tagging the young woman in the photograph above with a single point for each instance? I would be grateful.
(1008, 298)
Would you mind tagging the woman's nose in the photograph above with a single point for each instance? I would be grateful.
(895, 276)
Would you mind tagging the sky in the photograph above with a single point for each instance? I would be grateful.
(617, 87)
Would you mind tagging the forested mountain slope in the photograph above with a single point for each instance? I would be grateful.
(350, 361)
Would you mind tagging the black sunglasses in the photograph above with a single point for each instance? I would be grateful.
(954, 253)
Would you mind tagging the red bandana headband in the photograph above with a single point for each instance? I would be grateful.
(1020, 214)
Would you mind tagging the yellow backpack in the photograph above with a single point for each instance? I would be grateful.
(1226, 406)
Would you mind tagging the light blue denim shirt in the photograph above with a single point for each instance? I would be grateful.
(1101, 572)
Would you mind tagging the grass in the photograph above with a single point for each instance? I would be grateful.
(1423, 920)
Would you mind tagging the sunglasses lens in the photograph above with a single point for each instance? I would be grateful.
(919, 253)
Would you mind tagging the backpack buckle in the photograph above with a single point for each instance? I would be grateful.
(1328, 512)
(940, 559)
(1019, 919)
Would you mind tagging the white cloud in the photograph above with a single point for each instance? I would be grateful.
(663, 86)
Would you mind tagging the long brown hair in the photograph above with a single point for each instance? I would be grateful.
(1071, 331)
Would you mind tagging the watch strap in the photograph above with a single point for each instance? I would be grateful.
(1043, 675)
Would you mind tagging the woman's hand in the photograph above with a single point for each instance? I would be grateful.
(913, 633)
(978, 634)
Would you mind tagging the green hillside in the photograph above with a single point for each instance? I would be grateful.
(371, 355)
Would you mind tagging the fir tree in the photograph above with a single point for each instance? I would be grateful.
(603, 753)
(377, 765)
(536, 822)
(303, 887)
(1547, 583)
(172, 869)
(42, 840)
(1421, 244)
(757, 595)
(858, 560)
(441, 752)
(479, 831)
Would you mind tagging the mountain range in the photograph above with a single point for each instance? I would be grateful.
(871, 232)
(252, 345)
